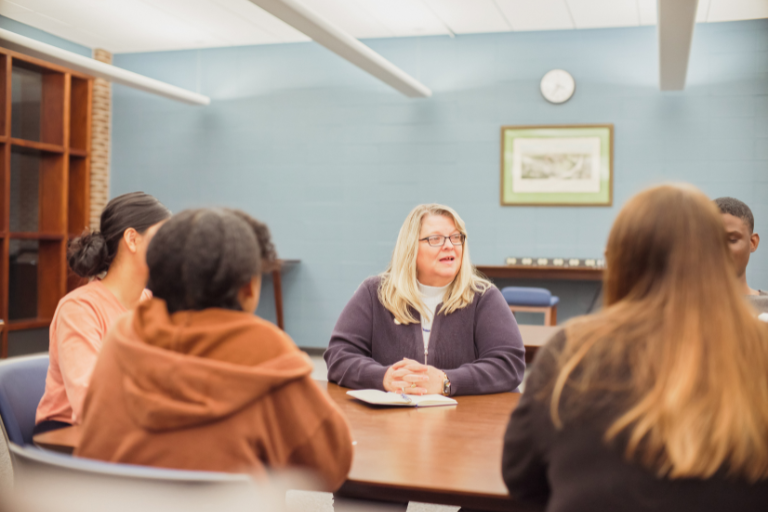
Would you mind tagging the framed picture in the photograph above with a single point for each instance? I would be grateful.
(557, 165)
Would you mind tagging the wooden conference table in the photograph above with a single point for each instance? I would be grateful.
(445, 455)
(534, 336)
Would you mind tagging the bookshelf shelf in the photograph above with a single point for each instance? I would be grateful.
(45, 129)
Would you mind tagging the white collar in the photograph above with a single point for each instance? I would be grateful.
(433, 291)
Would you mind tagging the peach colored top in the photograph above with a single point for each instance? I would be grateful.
(78, 327)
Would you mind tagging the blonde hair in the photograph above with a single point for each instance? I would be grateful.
(678, 339)
(399, 289)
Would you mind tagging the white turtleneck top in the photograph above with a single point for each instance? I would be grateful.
(431, 296)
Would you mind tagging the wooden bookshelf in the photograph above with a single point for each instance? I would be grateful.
(45, 137)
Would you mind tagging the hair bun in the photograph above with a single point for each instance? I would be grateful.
(87, 254)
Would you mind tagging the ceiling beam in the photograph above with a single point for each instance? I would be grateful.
(344, 45)
(55, 55)
(676, 21)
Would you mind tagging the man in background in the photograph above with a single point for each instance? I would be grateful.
(743, 241)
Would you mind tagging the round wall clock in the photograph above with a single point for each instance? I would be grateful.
(557, 86)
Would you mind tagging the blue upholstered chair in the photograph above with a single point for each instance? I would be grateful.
(22, 384)
(533, 300)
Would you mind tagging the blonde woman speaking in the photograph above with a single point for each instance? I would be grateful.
(429, 324)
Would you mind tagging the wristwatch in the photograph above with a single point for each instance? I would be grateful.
(446, 385)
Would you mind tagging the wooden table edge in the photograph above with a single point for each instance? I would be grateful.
(42, 440)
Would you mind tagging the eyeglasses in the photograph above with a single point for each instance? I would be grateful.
(439, 240)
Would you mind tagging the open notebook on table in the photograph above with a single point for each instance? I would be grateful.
(376, 397)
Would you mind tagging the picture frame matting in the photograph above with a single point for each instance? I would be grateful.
(557, 165)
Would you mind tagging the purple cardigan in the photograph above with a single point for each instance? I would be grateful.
(479, 346)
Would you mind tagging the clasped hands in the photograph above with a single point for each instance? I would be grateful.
(414, 378)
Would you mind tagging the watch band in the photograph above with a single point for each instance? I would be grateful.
(446, 385)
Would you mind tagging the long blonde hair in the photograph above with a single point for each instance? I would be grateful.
(399, 289)
(678, 339)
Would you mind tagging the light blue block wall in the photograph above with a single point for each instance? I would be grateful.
(333, 160)
(42, 36)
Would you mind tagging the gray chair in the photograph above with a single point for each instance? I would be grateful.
(77, 484)
(28, 456)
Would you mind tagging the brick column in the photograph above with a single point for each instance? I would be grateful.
(100, 141)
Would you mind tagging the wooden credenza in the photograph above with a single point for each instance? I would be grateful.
(541, 272)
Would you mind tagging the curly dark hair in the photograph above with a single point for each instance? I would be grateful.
(201, 258)
(263, 236)
(733, 206)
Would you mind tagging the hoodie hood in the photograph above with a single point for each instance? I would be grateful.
(170, 379)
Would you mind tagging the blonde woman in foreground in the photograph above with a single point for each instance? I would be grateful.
(660, 401)
(429, 324)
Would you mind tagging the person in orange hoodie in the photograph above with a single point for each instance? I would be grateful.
(192, 379)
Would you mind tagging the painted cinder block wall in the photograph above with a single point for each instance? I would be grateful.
(333, 160)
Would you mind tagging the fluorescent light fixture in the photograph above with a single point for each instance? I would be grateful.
(47, 52)
(676, 21)
(344, 45)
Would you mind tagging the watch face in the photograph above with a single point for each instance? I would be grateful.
(557, 86)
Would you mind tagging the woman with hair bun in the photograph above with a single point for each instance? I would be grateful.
(194, 367)
(84, 315)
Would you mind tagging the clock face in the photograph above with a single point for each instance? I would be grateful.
(557, 86)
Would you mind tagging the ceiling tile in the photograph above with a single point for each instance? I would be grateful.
(51, 25)
(11, 7)
(32, 5)
(604, 13)
(702, 11)
(263, 19)
(211, 18)
(648, 12)
(153, 25)
(539, 15)
(144, 25)
(404, 17)
(352, 16)
(127, 25)
(731, 10)
(469, 17)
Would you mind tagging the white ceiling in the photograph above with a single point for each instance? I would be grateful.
(152, 25)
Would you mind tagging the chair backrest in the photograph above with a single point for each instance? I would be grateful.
(30, 456)
(22, 384)
(525, 296)
(76, 484)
